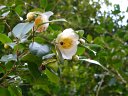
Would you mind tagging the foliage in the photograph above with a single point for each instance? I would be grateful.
(32, 65)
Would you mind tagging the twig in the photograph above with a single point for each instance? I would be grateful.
(8, 72)
(8, 26)
(100, 84)
(119, 75)
(33, 34)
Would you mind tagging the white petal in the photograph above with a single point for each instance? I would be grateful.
(68, 30)
(48, 14)
(68, 53)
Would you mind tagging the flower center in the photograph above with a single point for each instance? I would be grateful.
(66, 43)
(38, 20)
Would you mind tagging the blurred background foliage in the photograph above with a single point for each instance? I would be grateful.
(75, 78)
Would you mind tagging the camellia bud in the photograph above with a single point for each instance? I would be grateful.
(75, 58)
(30, 16)
(82, 41)
(6, 46)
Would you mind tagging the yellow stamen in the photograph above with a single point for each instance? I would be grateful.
(38, 20)
(66, 42)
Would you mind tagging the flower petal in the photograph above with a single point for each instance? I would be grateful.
(48, 14)
(68, 53)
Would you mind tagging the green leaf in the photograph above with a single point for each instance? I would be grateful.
(99, 29)
(4, 92)
(38, 49)
(57, 20)
(59, 55)
(43, 3)
(4, 39)
(80, 50)
(14, 90)
(54, 66)
(31, 58)
(52, 77)
(7, 58)
(33, 62)
(89, 38)
(93, 45)
(94, 62)
(48, 56)
(12, 45)
(80, 33)
(43, 86)
(91, 61)
(5, 13)
(21, 29)
(19, 47)
(2, 28)
(39, 40)
(34, 70)
(87, 47)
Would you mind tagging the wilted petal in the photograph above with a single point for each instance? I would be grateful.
(42, 18)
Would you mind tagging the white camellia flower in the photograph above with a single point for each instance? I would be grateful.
(67, 42)
(42, 18)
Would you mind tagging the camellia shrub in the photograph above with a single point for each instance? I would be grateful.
(41, 52)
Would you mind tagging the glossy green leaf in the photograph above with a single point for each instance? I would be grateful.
(52, 77)
(87, 47)
(56, 20)
(94, 62)
(89, 38)
(59, 55)
(80, 33)
(80, 50)
(59, 20)
(19, 47)
(31, 58)
(38, 49)
(21, 29)
(44, 87)
(34, 70)
(5, 14)
(12, 45)
(4, 39)
(54, 66)
(39, 40)
(7, 58)
(48, 56)
(93, 45)
(14, 90)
